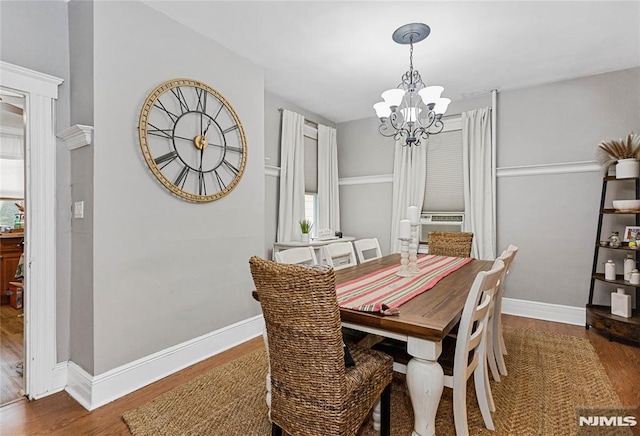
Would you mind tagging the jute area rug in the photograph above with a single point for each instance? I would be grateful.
(551, 377)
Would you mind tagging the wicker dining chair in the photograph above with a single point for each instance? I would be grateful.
(454, 244)
(313, 391)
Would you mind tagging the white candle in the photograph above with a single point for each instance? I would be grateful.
(412, 215)
(405, 229)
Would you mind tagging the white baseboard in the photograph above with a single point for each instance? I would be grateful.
(95, 391)
(545, 311)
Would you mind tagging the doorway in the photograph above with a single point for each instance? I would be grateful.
(12, 225)
(43, 374)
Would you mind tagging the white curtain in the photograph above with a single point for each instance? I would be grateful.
(409, 180)
(479, 188)
(328, 197)
(291, 206)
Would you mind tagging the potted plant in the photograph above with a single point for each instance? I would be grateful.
(305, 228)
(624, 153)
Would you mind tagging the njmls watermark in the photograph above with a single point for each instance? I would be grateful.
(608, 421)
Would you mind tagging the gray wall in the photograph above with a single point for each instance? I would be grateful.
(81, 89)
(166, 270)
(551, 217)
(272, 124)
(365, 209)
(35, 35)
(554, 217)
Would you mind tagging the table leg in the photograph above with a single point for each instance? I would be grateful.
(425, 380)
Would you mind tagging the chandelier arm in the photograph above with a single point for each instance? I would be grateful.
(428, 120)
(383, 130)
(394, 121)
(439, 125)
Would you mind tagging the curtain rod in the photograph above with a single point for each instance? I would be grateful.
(305, 120)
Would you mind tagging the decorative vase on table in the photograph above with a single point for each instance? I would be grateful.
(305, 238)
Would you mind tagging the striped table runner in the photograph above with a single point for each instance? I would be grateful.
(384, 289)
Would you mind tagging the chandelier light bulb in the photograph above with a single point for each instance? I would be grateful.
(410, 114)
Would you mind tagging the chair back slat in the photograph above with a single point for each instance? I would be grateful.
(339, 255)
(298, 255)
(367, 249)
(474, 318)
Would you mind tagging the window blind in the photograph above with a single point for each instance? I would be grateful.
(444, 191)
(310, 165)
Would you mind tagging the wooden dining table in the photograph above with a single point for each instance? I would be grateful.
(422, 322)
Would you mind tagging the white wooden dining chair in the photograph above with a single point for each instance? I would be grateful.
(339, 255)
(298, 255)
(498, 347)
(470, 349)
(367, 249)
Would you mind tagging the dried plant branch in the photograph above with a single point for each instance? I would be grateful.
(611, 152)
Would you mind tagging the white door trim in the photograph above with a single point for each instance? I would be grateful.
(42, 376)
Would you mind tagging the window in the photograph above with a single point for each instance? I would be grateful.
(311, 176)
(8, 212)
(444, 191)
(311, 211)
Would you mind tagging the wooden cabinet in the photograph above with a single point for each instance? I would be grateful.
(599, 316)
(10, 252)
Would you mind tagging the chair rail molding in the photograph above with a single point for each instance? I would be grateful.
(364, 180)
(270, 170)
(43, 375)
(551, 168)
(77, 136)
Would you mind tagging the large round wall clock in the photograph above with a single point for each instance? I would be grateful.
(192, 140)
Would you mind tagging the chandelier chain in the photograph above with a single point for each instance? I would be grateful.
(411, 58)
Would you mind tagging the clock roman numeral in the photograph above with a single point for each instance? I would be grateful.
(202, 185)
(233, 169)
(163, 133)
(166, 159)
(182, 177)
(234, 149)
(171, 115)
(219, 110)
(177, 92)
(219, 179)
(230, 129)
(202, 100)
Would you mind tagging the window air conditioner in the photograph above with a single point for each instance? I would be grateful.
(438, 222)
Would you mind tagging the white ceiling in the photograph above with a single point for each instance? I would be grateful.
(335, 58)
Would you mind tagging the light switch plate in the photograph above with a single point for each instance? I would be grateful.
(78, 209)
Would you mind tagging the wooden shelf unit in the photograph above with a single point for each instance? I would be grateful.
(599, 316)
(10, 252)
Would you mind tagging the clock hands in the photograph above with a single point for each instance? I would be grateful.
(207, 129)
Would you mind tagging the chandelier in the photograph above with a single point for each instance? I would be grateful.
(412, 110)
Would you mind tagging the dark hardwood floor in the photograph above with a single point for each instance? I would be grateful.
(59, 414)
(11, 353)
